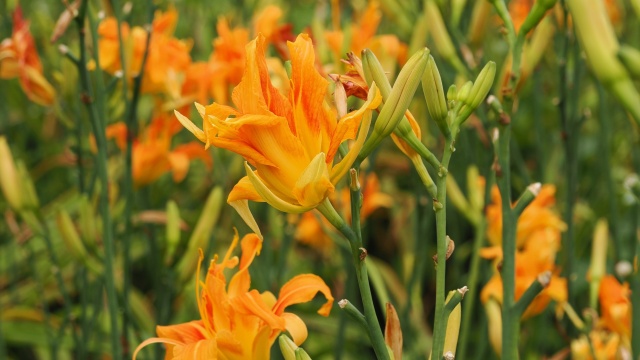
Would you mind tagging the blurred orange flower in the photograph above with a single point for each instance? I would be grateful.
(363, 35)
(236, 322)
(615, 307)
(311, 229)
(290, 141)
(19, 59)
(151, 153)
(167, 59)
(538, 238)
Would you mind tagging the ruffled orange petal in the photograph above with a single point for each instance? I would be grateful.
(296, 328)
(241, 281)
(303, 288)
(253, 303)
(314, 121)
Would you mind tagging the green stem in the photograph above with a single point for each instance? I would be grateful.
(440, 206)
(474, 273)
(358, 257)
(101, 162)
(510, 321)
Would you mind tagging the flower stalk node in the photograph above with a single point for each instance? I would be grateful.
(363, 253)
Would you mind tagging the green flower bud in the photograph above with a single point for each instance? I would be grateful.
(173, 230)
(434, 95)
(399, 98)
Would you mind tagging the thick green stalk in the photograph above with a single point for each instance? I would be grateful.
(358, 254)
(440, 206)
(510, 321)
(474, 273)
(101, 164)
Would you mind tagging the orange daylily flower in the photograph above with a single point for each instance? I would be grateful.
(236, 322)
(363, 35)
(538, 238)
(168, 57)
(19, 59)
(311, 230)
(151, 153)
(605, 346)
(292, 142)
(615, 307)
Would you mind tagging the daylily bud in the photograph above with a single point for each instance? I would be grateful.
(441, 38)
(475, 186)
(399, 98)
(373, 72)
(452, 96)
(630, 57)
(464, 92)
(9, 177)
(494, 316)
(477, 92)
(287, 347)
(434, 95)
(598, 39)
(88, 223)
(291, 351)
(29, 196)
(73, 242)
(598, 266)
(173, 230)
(453, 327)
(200, 235)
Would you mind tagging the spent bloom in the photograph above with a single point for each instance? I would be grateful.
(235, 321)
(290, 141)
(19, 59)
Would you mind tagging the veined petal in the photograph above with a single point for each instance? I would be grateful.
(244, 190)
(314, 183)
(303, 288)
(296, 328)
(341, 168)
(255, 94)
(155, 340)
(189, 125)
(348, 125)
(314, 122)
(268, 196)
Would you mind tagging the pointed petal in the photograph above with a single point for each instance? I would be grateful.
(303, 288)
(189, 125)
(242, 208)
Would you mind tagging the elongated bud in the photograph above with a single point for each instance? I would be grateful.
(598, 39)
(476, 94)
(399, 98)
(9, 177)
(475, 189)
(73, 242)
(482, 85)
(173, 230)
(598, 266)
(287, 347)
(29, 196)
(88, 223)
(200, 236)
(434, 95)
(630, 57)
(494, 316)
(440, 34)
(373, 72)
(452, 96)
(465, 92)
(453, 324)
